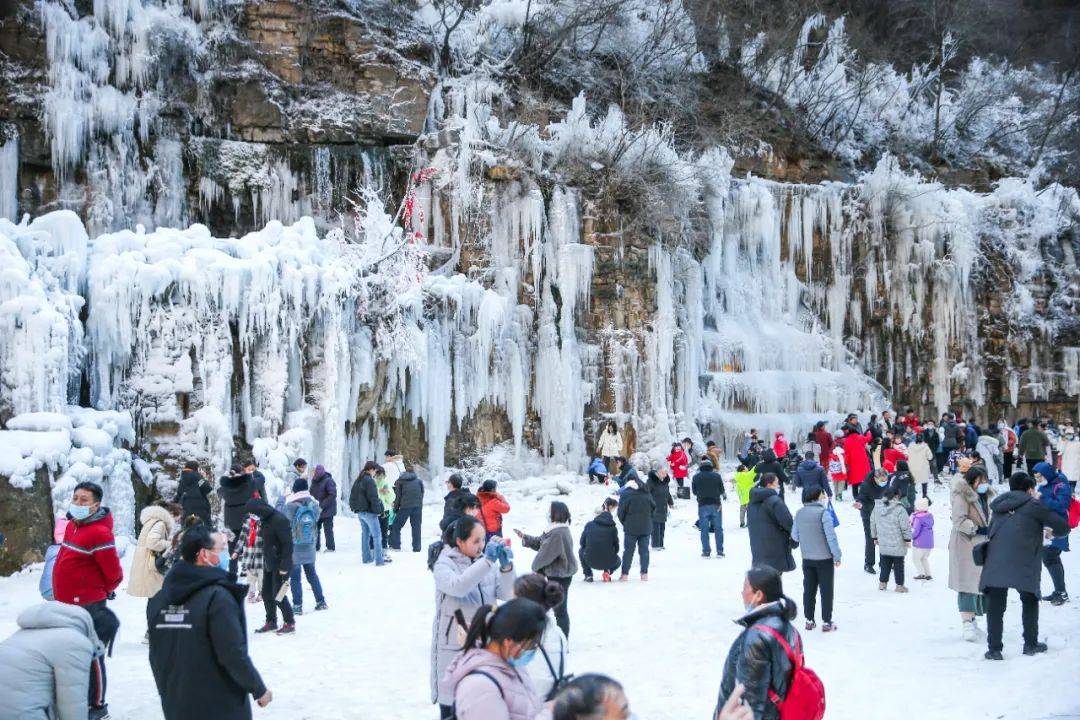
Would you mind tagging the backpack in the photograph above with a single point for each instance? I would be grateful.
(306, 524)
(1074, 513)
(453, 712)
(560, 678)
(805, 698)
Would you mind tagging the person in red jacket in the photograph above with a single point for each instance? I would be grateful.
(780, 446)
(86, 573)
(858, 462)
(825, 442)
(679, 462)
(492, 507)
(890, 455)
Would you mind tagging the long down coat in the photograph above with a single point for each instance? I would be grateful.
(154, 539)
(967, 517)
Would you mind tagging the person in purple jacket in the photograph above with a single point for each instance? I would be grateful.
(922, 537)
(324, 490)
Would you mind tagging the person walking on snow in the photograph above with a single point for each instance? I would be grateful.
(159, 523)
(598, 548)
(492, 508)
(324, 490)
(890, 527)
(838, 471)
(467, 575)
(303, 512)
(1055, 494)
(364, 500)
(809, 474)
(769, 522)
(969, 497)
(989, 449)
(679, 462)
(708, 488)
(192, 493)
(868, 496)
(408, 506)
(277, 540)
(555, 556)
(636, 508)
(86, 573)
(198, 637)
(1016, 533)
(745, 479)
(814, 531)
(47, 663)
(922, 538)
(659, 485)
(920, 459)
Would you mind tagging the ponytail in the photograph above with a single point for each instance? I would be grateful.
(519, 620)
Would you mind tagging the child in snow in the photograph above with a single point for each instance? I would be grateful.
(598, 472)
(891, 530)
(838, 471)
(922, 537)
(744, 483)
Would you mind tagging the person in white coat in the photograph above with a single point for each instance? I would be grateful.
(989, 449)
(468, 574)
(1070, 457)
(552, 665)
(920, 459)
(393, 465)
(46, 663)
(610, 445)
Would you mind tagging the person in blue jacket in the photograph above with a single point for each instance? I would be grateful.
(1055, 494)
(598, 472)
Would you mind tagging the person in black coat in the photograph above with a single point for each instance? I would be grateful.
(198, 637)
(769, 464)
(659, 485)
(1013, 560)
(869, 492)
(636, 508)
(276, 533)
(624, 472)
(258, 480)
(235, 489)
(757, 659)
(452, 501)
(810, 475)
(904, 485)
(324, 489)
(599, 545)
(769, 522)
(193, 493)
(708, 488)
(408, 506)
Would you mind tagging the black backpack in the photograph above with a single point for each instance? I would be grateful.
(560, 678)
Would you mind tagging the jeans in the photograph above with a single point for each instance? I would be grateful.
(325, 527)
(587, 569)
(869, 548)
(642, 544)
(562, 612)
(1052, 561)
(271, 585)
(818, 574)
(595, 477)
(922, 562)
(370, 538)
(894, 563)
(709, 519)
(658, 534)
(995, 616)
(413, 516)
(298, 589)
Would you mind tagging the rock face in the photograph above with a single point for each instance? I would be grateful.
(26, 521)
(567, 287)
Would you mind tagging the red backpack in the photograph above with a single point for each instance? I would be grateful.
(805, 698)
(1074, 513)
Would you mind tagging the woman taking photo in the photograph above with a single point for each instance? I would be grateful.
(489, 678)
(555, 558)
(970, 498)
(468, 574)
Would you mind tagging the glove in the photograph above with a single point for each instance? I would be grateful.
(506, 556)
(983, 531)
(491, 551)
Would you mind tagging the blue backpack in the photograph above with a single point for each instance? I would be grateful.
(305, 525)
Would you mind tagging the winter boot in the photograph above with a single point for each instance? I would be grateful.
(882, 586)
(1039, 647)
(99, 713)
(606, 577)
(588, 578)
(268, 627)
(321, 606)
(969, 631)
(644, 577)
(869, 569)
(993, 655)
(810, 624)
(624, 578)
(901, 589)
(828, 627)
(705, 554)
(297, 610)
(287, 629)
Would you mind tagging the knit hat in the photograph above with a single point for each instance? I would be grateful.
(922, 504)
(299, 485)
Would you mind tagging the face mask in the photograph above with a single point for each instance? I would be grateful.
(1040, 482)
(982, 489)
(223, 560)
(79, 512)
(524, 659)
(881, 483)
(749, 606)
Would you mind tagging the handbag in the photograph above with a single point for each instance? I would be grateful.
(980, 551)
(832, 511)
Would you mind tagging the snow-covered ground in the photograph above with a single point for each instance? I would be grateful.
(665, 640)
